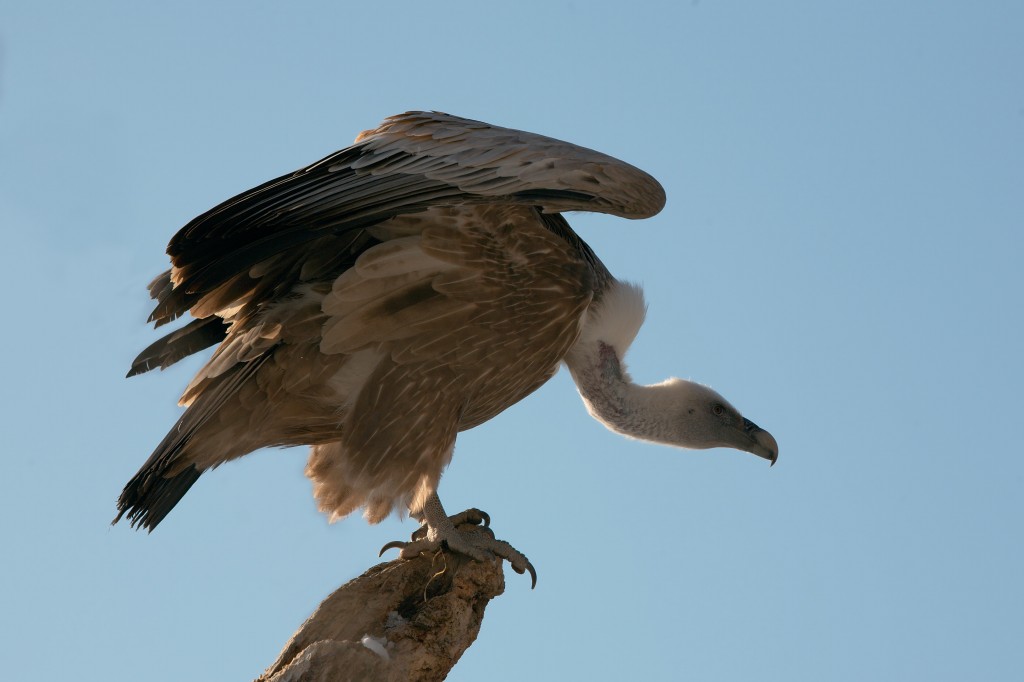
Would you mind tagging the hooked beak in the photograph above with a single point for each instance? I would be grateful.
(760, 442)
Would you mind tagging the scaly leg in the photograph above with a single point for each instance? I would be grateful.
(440, 531)
(474, 516)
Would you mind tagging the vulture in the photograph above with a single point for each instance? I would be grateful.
(381, 300)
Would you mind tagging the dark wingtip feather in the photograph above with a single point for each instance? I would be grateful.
(192, 338)
(161, 286)
(169, 472)
(149, 497)
(172, 301)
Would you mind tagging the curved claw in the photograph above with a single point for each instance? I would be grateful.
(516, 559)
(472, 516)
(394, 544)
(533, 574)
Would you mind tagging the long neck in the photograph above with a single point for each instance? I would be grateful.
(614, 400)
(595, 362)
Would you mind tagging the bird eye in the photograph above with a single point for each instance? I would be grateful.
(718, 410)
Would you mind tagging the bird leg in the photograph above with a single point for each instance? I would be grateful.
(440, 531)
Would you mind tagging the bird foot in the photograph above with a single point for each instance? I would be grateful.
(472, 516)
(477, 542)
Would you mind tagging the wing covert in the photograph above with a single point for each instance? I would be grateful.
(411, 162)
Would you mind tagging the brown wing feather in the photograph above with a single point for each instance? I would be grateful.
(409, 163)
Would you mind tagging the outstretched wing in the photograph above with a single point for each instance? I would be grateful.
(411, 162)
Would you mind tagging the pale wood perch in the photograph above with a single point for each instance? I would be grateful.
(426, 612)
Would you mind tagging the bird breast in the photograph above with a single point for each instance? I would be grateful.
(485, 299)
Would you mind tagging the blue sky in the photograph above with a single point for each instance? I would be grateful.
(840, 256)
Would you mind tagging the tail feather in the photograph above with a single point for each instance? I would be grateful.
(171, 470)
(149, 496)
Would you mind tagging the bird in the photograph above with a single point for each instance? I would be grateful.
(380, 301)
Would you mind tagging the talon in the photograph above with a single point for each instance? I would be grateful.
(523, 569)
(394, 544)
(441, 532)
(471, 516)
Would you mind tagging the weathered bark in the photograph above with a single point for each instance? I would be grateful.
(426, 611)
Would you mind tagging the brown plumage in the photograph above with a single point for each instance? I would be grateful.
(378, 302)
(406, 288)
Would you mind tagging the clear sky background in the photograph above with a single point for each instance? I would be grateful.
(840, 256)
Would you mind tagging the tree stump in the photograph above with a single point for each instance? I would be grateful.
(401, 620)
